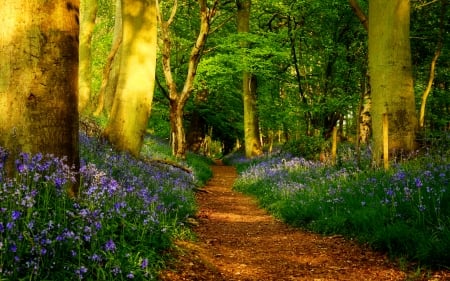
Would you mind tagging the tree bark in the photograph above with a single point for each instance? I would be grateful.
(251, 123)
(88, 14)
(112, 68)
(38, 78)
(359, 13)
(391, 76)
(177, 98)
(133, 99)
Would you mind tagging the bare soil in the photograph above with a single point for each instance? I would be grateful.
(238, 241)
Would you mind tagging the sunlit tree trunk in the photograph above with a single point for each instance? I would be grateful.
(251, 123)
(38, 78)
(391, 75)
(111, 70)
(88, 13)
(133, 99)
(178, 99)
(437, 53)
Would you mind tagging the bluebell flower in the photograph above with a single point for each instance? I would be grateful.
(13, 248)
(80, 272)
(116, 270)
(15, 215)
(418, 182)
(110, 246)
(144, 263)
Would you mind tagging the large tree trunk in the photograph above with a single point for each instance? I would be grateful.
(251, 122)
(132, 102)
(38, 78)
(391, 76)
(88, 13)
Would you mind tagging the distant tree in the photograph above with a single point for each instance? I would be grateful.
(38, 78)
(436, 55)
(132, 103)
(251, 122)
(391, 76)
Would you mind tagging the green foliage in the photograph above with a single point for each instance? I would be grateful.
(308, 147)
(403, 211)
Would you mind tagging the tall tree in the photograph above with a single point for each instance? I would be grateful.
(391, 76)
(88, 13)
(38, 77)
(251, 123)
(178, 99)
(134, 93)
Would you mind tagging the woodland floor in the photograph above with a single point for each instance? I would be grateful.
(238, 241)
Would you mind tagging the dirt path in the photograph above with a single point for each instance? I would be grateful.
(237, 241)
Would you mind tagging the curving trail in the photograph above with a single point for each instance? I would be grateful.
(238, 241)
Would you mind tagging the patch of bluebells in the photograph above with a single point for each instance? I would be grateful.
(414, 193)
(123, 218)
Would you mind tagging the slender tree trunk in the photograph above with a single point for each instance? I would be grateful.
(251, 122)
(133, 99)
(437, 53)
(391, 76)
(112, 68)
(88, 14)
(178, 99)
(38, 78)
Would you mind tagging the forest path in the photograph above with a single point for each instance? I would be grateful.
(238, 241)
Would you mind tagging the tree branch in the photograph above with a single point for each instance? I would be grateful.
(359, 13)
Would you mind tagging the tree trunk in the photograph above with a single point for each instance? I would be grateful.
(391, 76)
(178, 99)
(38, 78)
(112, 68)
(88, 13)
(437, 53)
(133, 99)
(177, 129)
(251, 123)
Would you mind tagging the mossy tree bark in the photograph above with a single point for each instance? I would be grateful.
(251, 123)
(391, 77)
(134, 93)
(38, 78)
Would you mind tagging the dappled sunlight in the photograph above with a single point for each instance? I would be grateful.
(239, 241)
(230, 217)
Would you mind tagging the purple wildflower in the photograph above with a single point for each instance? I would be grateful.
(418, 182)
(81, 271)
(110, 246)
(144, 263)
(15, 215)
